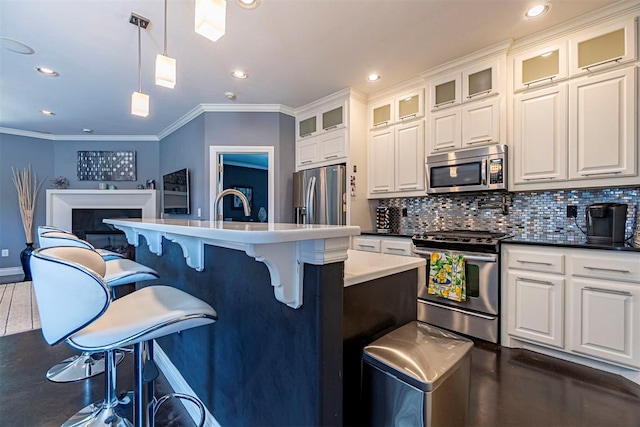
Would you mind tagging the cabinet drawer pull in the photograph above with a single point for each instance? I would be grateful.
(442, 104)
(587, 68)
(306, 134)
(396, 249)
(366, 246)
(540, 80)
(484, 92)
(602, 173)
(379, 190)
(331, 127)
(333, 156)
(306, 162)
(533, 262)
(381, 123)
(410, 116)
(444, 147)
(412, 187)
(480, 141)
(539, 179)
(608, 291)
(542, 282)
(611, 270)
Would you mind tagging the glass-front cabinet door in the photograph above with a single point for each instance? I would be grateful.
(381, 114)
(445, 92)
(333, 118)
(603, 47)
(540, 67)
(479, 81)
(410, 105)
(307, 127)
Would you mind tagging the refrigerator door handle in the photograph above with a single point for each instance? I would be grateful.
(310, 202)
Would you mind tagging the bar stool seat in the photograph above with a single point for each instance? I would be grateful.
(75, 306)
(119, 271)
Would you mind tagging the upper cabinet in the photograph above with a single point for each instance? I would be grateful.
(540, 66)
(603, 46)
(467, 107)
(307, 127)
(332, 118)
(397, 109)
(321, 136)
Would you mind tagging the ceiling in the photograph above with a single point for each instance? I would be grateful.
(295, 52)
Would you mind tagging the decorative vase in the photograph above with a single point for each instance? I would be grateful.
(25, 257)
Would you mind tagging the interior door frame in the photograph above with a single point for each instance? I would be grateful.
(216, 150)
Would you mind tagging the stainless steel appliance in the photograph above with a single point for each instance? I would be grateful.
(319, 196)
(606, 222)
(475, 169)
(478, 316)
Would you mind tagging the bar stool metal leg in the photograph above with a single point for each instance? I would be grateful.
(79, 367)
(144, 390)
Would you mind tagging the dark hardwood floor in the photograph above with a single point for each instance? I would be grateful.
(508, 388)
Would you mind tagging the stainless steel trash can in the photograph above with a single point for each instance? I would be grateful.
(417, 375)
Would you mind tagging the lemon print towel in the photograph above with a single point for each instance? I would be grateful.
(446, 276)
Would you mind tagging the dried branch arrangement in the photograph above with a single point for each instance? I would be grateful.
(27, 188)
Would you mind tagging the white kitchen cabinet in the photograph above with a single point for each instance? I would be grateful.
(332, 117)
(481, 122)
(381, 161)
(322, 119)
(398, 109)
(536, 307)
(445, 91)
(321, 150)
(607, 45)
(409, 156)
(445, 130)
(584, 303)
(307, 127)
(332, 145)
(307, 152)
(540, 135)
(602, 125)
(606, 315)
(540, 66)
(390, 245)
(480, 80)
(396, 159)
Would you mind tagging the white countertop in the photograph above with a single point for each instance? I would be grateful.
(240, 232)
(362, 266)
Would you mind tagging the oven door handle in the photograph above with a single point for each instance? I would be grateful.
(483, 258)
(448, 307)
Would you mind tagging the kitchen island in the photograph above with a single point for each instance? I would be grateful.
(275, 355)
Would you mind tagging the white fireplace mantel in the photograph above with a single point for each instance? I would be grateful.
(60, 203)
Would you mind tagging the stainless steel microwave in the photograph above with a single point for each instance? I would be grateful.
(475, 169)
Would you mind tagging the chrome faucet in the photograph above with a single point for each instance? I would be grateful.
(243, 200)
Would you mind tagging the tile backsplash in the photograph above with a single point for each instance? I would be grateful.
(531, 215)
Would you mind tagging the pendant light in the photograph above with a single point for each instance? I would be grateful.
(165, 65)
(139, 101)
(210, 18)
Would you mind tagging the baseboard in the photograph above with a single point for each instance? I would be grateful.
(179, 385)
(11, 271)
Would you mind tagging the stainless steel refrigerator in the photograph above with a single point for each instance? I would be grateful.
(319, 196)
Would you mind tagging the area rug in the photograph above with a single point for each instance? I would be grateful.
(18, 309)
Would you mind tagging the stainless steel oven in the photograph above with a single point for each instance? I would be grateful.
(478, 316)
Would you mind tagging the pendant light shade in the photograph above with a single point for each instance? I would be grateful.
(210, 18)
(139, 104)
(165, 65)
(139, 101)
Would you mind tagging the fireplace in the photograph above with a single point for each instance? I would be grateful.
(82, 212)
(87, 224)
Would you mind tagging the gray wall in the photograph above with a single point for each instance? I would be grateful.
(66, 157)
(20, 152)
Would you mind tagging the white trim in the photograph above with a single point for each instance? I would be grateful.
(30, 134)
(391, 92)
(341, 95)
(480, 55)
(180, 385)
(215, 150)
(195, 112)
(11, 271)
(248, 108)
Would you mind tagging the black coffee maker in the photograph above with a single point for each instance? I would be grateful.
(606, 222)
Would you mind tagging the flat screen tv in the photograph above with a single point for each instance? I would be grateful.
(175, 192)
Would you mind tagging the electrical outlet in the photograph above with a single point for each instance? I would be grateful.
(5, 252)
(572, 211)
(199, 213)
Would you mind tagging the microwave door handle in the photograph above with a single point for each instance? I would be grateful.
(483, 173)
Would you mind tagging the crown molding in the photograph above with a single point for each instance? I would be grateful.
(341, 94)
(414, 83)
(486, 53)
(27, 133)
(51, 137)
(195, 112)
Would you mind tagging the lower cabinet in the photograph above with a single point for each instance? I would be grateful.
(579, 301)
(386, 245)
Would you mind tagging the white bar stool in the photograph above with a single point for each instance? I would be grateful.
(75, 306)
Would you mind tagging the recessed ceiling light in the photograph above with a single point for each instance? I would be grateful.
(537, 11)
(47, 72)
(47, 113)
(248, 4)
(16, 46)
(239, 74)
(373, 77)
(86, 130)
